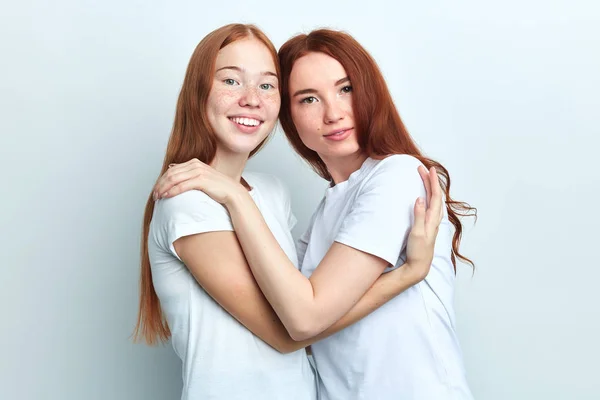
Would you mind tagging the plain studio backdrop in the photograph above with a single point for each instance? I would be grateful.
(504, 94)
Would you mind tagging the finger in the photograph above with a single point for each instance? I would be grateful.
(425, 177)
(180, 188)
(196, 162)
(434, 212)
(170, 169)
(438, 193)
(187, 166)
(175, 179)
(190, 162)
(418, 227)
(175, 166)
(162, 183)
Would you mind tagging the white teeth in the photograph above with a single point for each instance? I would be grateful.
(246, 121)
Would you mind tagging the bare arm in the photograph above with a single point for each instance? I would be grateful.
(286, 289)
(217, 262)
(307, 307)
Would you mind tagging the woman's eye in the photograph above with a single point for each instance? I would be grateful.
(308, 100)
(347, 89)
(230, 82)
(266, 86)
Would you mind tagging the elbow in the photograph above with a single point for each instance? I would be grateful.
(300, 335)
(286, 344)
(304, 323)
(303, 330)
(289, 347)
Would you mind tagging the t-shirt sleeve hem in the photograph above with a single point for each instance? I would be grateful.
(181, 230)
(369, 248)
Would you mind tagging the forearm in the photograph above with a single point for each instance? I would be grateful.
(383, 290)
(306, 307)
(290, 293)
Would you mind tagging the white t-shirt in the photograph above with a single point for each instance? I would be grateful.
(221, 358)
(408, 348)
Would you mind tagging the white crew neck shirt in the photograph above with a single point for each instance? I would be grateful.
(222, 360)
(408, 348)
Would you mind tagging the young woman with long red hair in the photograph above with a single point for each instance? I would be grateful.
(196, 286)
(338, 114)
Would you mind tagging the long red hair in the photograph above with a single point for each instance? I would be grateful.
(380, 130)
(191, 137)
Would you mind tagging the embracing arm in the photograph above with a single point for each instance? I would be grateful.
(309, 306)
(231, 284)
(218, 264)
(306, 307)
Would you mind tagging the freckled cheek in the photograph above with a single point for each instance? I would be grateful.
(229, 97)
(272, 102)
(222, 99)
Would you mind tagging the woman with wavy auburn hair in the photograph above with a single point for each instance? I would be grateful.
(196, 286)
(338, 114)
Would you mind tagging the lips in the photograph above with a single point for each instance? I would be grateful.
(337, 133)
(246, 121)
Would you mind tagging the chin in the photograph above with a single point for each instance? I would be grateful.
(341, 151)
(245, 145)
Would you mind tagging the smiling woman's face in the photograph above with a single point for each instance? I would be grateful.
(243, 104)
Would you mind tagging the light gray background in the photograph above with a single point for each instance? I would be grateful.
(504, 94)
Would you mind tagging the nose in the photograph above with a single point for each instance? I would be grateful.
(333, 113)
(250, 97)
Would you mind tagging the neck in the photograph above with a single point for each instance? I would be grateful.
(230, 164)
(340, 168)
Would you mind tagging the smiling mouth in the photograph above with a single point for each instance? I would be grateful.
(246, 121)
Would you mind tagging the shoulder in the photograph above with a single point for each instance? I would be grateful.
(396, 168)
(395, 175)
(397, 163)
(191, 203)
(186, 214)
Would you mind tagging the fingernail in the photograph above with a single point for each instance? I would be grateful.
(420, 201)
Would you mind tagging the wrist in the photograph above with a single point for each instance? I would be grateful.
(238, 196)
(415, 272)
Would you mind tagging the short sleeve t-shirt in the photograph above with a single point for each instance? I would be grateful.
(221, 358)
(407, 349)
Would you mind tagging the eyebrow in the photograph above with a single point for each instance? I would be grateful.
(307, 91)
(233, 67)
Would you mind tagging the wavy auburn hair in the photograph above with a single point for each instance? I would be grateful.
(379, 128)
(191, 137)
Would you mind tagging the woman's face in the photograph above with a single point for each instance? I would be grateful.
(243, 103)
(321, 106)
